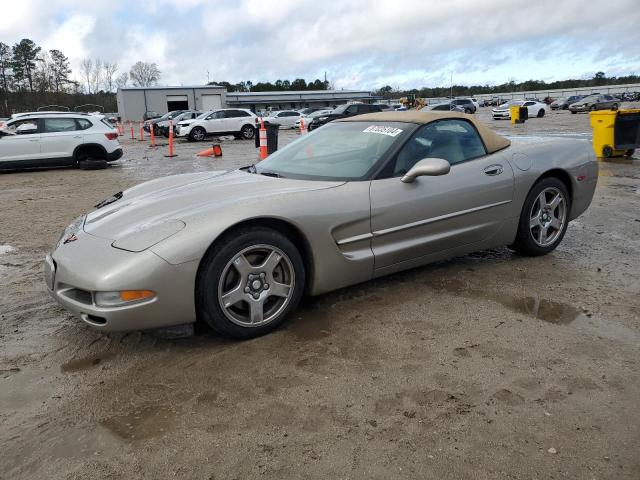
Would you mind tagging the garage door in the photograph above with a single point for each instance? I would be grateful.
(211, 102)
(177, 102)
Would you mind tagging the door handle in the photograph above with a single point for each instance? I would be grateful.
(77, 136)
(493, 170)
(34, 139)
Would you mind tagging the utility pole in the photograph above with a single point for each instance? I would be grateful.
(207, 77)
(451, 87)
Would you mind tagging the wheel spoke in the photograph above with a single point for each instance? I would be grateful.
(555, 201)
(541, 201)
(242, 265)
(542, 235)
(234, 296)
(556, 223)
(278, 289)
(271, 263)
(256, 312)
(534, 222)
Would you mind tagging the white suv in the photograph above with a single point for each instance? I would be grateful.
(236, 121)
(43, 139)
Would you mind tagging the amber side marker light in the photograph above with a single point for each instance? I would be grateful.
(123, 297)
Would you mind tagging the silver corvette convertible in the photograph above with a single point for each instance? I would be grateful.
(354, 200)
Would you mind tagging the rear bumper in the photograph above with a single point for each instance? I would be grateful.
(115, 155)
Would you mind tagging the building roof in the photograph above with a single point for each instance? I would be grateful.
(491, 139)
(182, 87)
(301, 92)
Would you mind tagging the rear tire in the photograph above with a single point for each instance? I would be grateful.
(592, 108)
(630, 152)
(248, 283)
(574, 112)
(544, 218)
(92, 164)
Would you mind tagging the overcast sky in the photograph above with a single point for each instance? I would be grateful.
(359, 43)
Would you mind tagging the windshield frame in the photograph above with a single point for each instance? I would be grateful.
(407, 131)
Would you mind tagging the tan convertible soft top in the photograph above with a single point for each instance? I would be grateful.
(492, 140)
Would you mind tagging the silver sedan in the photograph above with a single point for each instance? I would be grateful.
(356, 199)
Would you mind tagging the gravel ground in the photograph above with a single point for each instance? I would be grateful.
(485, 366)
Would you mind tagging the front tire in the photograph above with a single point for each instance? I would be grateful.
(197, 134)
(541, 113)
(614, 107)
(248, 283)
(247, 132)
(544, 218)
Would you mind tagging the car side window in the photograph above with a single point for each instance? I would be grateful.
(31, 121)
(351, 109)
(527, 104)
(216, 115)
(83, 123)
(54, 125)
(455, 141)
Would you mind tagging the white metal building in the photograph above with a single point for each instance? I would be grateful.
(134, 101)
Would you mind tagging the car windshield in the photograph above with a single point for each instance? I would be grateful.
(340, 108)
(337, 151)
(203, 115)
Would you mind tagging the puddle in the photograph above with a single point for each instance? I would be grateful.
(79, 364)
(550, 311)
(145, 422)
(6, 249)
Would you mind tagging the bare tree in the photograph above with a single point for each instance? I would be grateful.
(110, 70)
(122, 79)
(96, 76)
(144, 74)
(87, 71)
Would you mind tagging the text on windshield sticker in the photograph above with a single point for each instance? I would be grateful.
(391, 131)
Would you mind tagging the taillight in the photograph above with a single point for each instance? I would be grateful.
(111, 136)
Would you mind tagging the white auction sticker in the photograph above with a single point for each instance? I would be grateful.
(391, 131)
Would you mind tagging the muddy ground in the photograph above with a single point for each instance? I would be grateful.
(485, 366)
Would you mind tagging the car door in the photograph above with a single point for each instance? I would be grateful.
(433, 214)
(215, 122)
(60, 137)
(23, 146)
(531, 108)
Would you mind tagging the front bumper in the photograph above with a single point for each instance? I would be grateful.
(499, 115)
(76, 270)
(182, 131)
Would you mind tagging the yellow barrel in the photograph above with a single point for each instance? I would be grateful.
(514, 113)
(603, 123)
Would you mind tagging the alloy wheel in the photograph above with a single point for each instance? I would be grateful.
(256, 285)
(547, 216)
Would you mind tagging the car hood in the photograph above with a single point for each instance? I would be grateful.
(180, 197)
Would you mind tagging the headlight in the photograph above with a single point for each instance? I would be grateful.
(124, 297)
(147, 235)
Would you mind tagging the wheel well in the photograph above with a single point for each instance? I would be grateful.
(287, 229)
(97, 150)
(561, 175)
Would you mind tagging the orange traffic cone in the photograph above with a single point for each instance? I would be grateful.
(263, 140)
(153, 136)
(303, 127)
(133, 135)
(214, 151)
(171, 154)
(141, 139)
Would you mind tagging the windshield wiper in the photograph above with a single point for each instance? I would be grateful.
(270, 174)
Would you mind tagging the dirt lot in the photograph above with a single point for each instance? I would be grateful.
(486, 366)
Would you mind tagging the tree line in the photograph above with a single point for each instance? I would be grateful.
(31, 77)
(277, 86)
(598, 79)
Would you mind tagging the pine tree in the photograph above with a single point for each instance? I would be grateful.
(25, 54)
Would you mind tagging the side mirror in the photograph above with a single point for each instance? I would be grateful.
(431, 167)
(27, 128)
